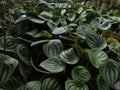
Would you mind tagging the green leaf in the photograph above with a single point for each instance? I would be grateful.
(53, 48)
(110, 72)
(32, 85)
(46, 15)
(72, 85)
(39, 42)
(7, 67)
(11, 44)
(97, 57)
(53, 65)
(115, 48)
(82, 30)
(36, 20)
(71, 17)
(23, 53)
(102, 85)
(59, 30)
(95, 41)
(101, 23)
(51, 84)
(13, 83)
(93, 59)
(80, 74)
(69, 56)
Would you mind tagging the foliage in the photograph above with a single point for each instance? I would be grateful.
(72, 46)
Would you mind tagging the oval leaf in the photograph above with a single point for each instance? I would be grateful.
(51, 84)
(97, 57)
(80, 74)
(7, 67)
(69, 56)
(72, 85)
(23, 53)
(110, 72)
(95, 41)
(102, 85)
(53, 65)
(11, 44)
(32, 85)
(53, 48)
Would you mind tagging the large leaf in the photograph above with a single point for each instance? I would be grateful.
(10, 44)
(95, 41)
(23, 53)
(82, 30)
(13, 83)
(97, 57)
(80, 74)
(32, 85)
(53, 48)
(7, 67)
(101, 23)
(110, 72)
(51, 84)
(72, 85)
(69, 56)
(54, 65)
(102, 85)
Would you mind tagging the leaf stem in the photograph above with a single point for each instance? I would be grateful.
(39, 69)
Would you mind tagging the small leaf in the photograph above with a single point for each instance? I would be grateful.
(32, 85)
(93, 59)
(72, 85)
(51, 84)
(71, 17)
(80, 74)
(95, 41)
(23, 53)
(53, 48)
(7, 67)
(46, 15)
(35, 20)
(53, 65)
(39, 42)
(102, 23)
(69, 56)
(59, 30)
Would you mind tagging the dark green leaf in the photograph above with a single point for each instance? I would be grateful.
(54, 65)
(7, 67)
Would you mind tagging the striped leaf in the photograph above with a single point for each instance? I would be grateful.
(101, 23)
(53, 48)
(23, 53)
(51, 84)
(110, 72)
(53, 65)
(69, 56)
(11, 44)
(13, 83)
(95, 41)
(7, 67)
(80, 74)
(102, 85)
(32, 85)
(72, 85)
(97, 57)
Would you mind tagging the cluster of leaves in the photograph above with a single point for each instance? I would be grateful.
(74, 46)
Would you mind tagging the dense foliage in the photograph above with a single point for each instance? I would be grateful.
(59, 46)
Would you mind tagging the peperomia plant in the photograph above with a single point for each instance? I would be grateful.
(71, 46)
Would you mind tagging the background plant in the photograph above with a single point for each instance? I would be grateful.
(59, 46)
